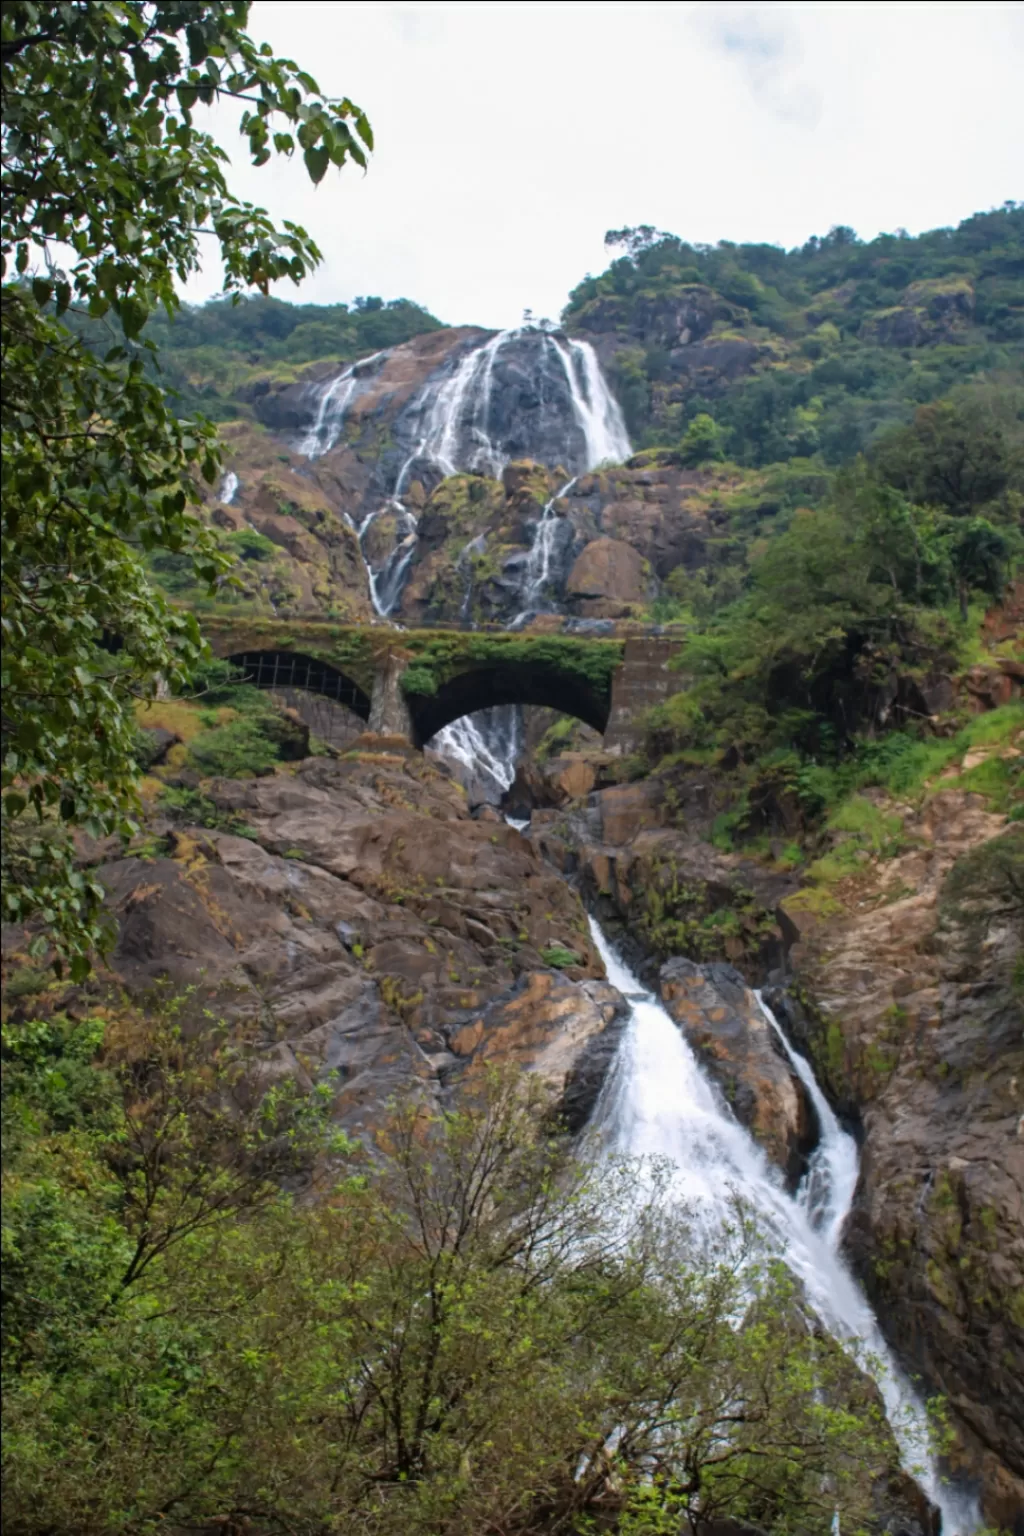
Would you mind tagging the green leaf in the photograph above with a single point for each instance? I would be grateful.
(133, 315)
(317, 160)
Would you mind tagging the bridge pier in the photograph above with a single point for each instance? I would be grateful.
(642, 679)
(389, 711)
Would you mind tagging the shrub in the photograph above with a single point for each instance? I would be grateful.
(242, 749)
(247, 544)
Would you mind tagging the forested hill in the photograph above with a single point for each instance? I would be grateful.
(792, 354)
(209, 352)
(803, 352)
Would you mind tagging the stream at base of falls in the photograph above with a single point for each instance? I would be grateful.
(657, 1103)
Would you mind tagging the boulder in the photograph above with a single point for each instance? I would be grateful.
(153, 744)
(609, 568)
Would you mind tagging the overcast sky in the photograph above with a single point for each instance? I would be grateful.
(511, 136)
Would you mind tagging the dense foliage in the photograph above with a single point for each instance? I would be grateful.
(837, 623)
(807, 351)
(207, 351)
(454, 1340)
(109, 186)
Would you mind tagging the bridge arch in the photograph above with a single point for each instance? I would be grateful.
(509, 682)
(294, 669)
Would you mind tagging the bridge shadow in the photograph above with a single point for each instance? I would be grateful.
(480, 686)
(288, 669)
(508, 683)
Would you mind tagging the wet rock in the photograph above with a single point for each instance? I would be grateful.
(368, 929)
(731, 1036)
(533, 788)
(564, 1032)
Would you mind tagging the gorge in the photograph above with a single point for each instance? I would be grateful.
(739, 885)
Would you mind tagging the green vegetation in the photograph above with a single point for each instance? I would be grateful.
(106, 174)
(441, 655)
(681, 915)
(558, 956)
(210, 354)
(824, 654)
(236, 731)
(818, 349)
(985, 887)
(455, 1340)
(847, 620)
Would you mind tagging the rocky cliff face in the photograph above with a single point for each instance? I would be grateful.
(364, 926)
(909, 1001)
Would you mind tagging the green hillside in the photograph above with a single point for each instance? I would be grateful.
(806, 352)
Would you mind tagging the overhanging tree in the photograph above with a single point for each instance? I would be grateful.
(112, 195)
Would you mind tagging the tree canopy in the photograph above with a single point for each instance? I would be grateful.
(113, 193)
(467, 1331)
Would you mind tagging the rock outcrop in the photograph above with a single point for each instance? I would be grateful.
(367, 927)
(662, 890)
(607, 577)
(909, 1004)
(728, 1032)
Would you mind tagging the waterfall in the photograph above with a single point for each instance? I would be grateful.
(456, 436)
(228, 488)
(657, 1103)
(455, 424)
(827, 1189)
(597, 410)
(485, 746)
(537, 570)
(332, 398)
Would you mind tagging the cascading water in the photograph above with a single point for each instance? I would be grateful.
(228, 488)
(484, 747)
(456, 435)
(455, 428)
(827, 1189)
(657, 1103)
(596, 408)
(332, 399)
(537, 569)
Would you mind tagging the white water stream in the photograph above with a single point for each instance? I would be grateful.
(228, 488)
(486, 745)
(537, 570)
(456, 435)
(596, 408)
(657, 1103)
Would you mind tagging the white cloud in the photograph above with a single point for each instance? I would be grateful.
(512, 135)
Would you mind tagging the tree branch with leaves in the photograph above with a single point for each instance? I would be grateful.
(113, 195)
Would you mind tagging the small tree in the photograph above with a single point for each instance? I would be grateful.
(702, 441)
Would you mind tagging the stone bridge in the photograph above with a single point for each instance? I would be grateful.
(414, 682)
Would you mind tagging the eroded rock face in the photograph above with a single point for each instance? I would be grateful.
(916, 1024)
(721, 1019)
(659, 886)
(370, 928)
